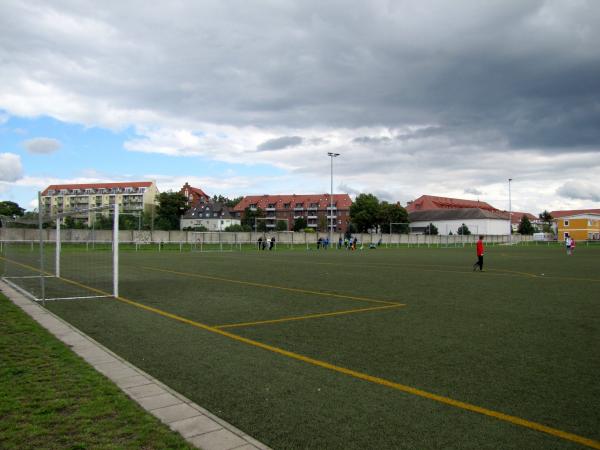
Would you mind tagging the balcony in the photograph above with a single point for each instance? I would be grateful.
(270, 208)
(298, 208)
(312, 217)
(312, 225)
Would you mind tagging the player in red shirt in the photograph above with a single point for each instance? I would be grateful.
(479, 254)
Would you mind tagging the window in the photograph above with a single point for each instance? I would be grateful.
(566, 223)
(287, 205)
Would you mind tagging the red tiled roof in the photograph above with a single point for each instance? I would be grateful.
(516, 216)
(572, 212)
(428, 202)
(135, 184)
(342, 201)
(197, 193)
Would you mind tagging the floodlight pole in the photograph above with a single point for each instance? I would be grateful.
(116, 251)
(509, 213)
(331, 155)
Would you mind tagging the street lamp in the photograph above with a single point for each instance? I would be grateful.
(331, 155)
(509, 214)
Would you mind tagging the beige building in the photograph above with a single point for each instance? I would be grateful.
(132, 197)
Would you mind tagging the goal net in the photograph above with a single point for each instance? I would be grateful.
(214, 241)
(60, 257)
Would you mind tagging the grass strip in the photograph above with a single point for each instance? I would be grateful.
(53, 399)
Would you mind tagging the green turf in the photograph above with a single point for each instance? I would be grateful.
(509, 339)
(50, 398)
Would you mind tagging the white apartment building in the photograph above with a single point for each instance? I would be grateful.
(133, 197)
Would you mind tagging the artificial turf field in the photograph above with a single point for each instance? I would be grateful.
(385, 348)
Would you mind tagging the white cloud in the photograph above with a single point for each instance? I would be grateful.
(42, 145)
(11, 168)
(3, 118)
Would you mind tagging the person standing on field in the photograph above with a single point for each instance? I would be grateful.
(480, 249)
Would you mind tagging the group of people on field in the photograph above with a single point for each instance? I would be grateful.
(570, 244)
(263, 243)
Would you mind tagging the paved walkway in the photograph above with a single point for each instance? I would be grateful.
(198, 426)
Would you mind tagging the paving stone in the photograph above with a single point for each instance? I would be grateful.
(195, 425)
(218, 440)
(145, 391)
(136, 380)
(174, 413)
(158, 401)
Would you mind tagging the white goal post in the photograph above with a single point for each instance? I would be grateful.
(73, 270)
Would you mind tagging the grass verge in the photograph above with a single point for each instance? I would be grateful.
(53, 399)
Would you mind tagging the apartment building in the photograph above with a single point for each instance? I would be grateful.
(315, 208)
(132, 197)
(579, 224)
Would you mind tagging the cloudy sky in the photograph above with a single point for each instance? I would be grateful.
(243, 97)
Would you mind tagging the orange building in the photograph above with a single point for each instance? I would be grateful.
(581, 225)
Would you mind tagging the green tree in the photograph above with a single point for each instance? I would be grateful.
(229, 202)
(324, 224)
(238, 228)
(73, 224)
(249, 216)
(392, 213)
(171, 206)
(525, 226)
(546, 219)
(300, 224)
(463, 230)
(8, 208)
(364, 212)
(431, 230)
(281, 225)
(103, 222)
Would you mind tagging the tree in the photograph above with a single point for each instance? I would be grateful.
(525, 226)
(324, 224)
(300, 224)
(249, 217)
(281, 225)
(392, 213)
(73, 224)
(103, 222)
(8, 208)
(431, 230)
(171, 206)
(238, 228)
(364, 212)
(546, 219)
(463, 230)
(229, 202)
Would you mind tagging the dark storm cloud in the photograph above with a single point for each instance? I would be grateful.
(409, 92)
(579, 191)
(280, 143)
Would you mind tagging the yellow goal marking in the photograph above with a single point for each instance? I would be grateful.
(355, 374)
(308, 316)
(271, 286)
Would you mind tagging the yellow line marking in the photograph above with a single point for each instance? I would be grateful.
(359, 375)
(271, 286)
(308, 316)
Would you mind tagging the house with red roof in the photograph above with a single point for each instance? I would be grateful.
(133, 197)
(193, 194)
(315, 208)
(448, 215)
(579, 224)
(429, 202)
